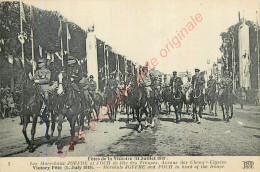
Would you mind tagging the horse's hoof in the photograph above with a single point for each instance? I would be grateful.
(198, 122)
(21, 123)
(139, 131)
(47, 137)
(31, 150)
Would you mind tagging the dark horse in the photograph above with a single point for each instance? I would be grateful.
(110, 100)
(211, 98)
(197, 99)
(177, 99)
(33, 106)
(226, 101)
(68, 105)
(138, 102)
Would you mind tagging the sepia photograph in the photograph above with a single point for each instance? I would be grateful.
(116, 82)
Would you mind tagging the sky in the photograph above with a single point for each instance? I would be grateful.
(139, 29)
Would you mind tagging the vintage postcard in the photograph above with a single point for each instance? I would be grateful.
(129, 85)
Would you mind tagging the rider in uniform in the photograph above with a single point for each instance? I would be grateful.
(42, 79)
(74, 72)
(211, 84)
(112, 82)
(146, 80)
(92, 86)
(176, 82)
(198, 81)
(225, 82)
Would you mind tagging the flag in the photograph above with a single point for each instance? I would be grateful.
(60, 30)
(31, 17)
(68, 33)
(22, 14)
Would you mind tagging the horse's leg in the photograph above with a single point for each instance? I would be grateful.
(81, 121)
(194, 113)
(216, 105)
(22, 119)
(127, 113)
(227, 111)
(47, 122)
(59, 128)
(147, 117)
(33, 131)
(180, 109)
(176, 113)
(153, 112)
(223, 110)
(231, 110)
(139, 120)
(72, 132)
(25, 124)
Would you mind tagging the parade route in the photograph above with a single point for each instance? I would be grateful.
(210, 138)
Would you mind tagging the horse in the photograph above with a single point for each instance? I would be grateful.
(211, 98)
(176, 100)
(166, 96)
(33, 106)
(111, 100)
(187, 101)
(68, 105)
(226, 101)
(197, 99)
(138, 102)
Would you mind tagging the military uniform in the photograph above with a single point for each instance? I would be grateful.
(42, 79)
(198, 81)
(146, 81)
(112, 83)
(74, 73)
(176, 83)
(211, 84)
(225, 82)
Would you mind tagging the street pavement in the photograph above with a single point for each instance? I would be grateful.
(240, 136)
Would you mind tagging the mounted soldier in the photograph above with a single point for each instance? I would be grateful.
(211, 95)
(198, 93)
(176, 82)
(42, 79)
(211, 84)
(226, 95)
(198, 81)
(146, 80)
(112, 82)
(225, 82)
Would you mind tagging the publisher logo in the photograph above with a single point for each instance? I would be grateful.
(248, 164)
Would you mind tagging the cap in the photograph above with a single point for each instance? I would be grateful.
(174, 72)
(71, 58)
(197, 70)
(41, 60)
(226, 73)
(210, 76)
(91, 76)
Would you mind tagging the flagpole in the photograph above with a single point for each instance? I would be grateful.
(68, 39)
(33, 66)
(258, 60)
(21, 22)
(105, 66)
(117, 66)
(61, 44)
(125, 63)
